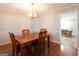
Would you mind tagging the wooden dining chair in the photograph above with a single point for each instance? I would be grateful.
(47, 39)
(16, 48)
(15, 45)
(25, 32)
(42, 38)
(41, 45)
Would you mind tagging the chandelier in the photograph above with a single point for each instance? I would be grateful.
(32, 13)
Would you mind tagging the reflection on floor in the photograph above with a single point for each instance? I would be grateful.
(71, 41)
(54, 50)
(68, 51)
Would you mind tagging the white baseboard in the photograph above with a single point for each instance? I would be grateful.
(5, 43)
(56, 41)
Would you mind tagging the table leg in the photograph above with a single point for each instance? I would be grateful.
(48, 41)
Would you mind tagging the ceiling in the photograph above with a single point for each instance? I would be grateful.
(40, 8)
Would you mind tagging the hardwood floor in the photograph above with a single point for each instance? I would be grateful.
(6, 50)
(54, 50)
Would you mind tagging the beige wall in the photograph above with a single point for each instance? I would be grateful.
(14, 22)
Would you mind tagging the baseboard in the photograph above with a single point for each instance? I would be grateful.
(56, 41)
(5, 43)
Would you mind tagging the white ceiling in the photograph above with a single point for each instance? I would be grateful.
(40, 8)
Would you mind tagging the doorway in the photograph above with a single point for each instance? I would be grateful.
(69, 29)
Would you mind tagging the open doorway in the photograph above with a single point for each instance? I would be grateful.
(69, 29)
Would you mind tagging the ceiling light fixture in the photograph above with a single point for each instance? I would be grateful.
(32, 13)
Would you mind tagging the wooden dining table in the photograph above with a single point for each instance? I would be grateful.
(28, 39)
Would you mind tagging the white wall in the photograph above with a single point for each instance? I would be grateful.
(78, 32)
(11, 21)
(51, 21)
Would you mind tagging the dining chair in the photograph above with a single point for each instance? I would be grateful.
(42, 38)
(15, 45)
(42, 42)
(33, 44)
(25, 32)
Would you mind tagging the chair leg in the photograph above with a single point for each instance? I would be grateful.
(13, 51)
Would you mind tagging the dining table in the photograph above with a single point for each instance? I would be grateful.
(28, 39)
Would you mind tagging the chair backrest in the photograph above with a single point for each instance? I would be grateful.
(42, 36)
(12, 37)
(25, 32)
(43, 29)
